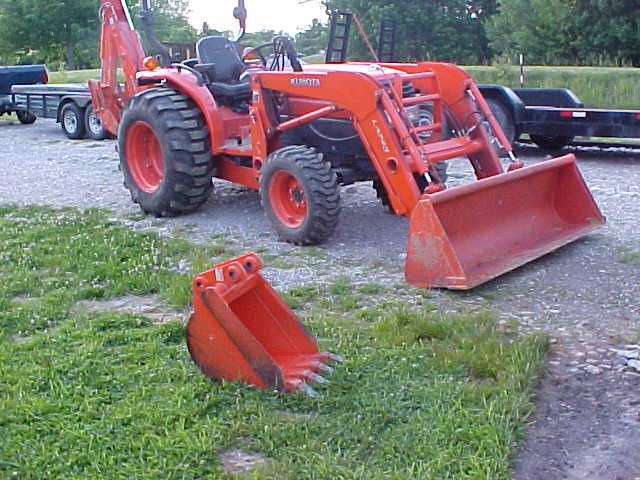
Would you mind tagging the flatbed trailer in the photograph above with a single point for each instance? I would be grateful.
(554, 117)
(69, 104)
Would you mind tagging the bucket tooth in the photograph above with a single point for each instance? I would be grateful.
(324, 368)
(314, 377)
(303, 387)
(241, 329)
(335, 358)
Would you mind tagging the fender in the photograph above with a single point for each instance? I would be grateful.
(506, 97)
(185, 82)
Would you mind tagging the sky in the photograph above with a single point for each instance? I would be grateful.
(286, 15)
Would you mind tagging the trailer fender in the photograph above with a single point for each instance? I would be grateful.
(549, 97)
(513, 106)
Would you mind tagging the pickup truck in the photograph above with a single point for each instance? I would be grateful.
(19, 75)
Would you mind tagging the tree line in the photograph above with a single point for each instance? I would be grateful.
(547, 32)
(551, 32)
(65, 32)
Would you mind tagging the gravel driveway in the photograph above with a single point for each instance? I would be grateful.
(586, 296)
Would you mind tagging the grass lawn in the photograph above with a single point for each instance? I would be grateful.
(74, 76)
(115, 396)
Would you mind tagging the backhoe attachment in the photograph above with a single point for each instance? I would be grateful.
(241, 330)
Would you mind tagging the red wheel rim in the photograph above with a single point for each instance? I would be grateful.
(287, 199)
(144, 157)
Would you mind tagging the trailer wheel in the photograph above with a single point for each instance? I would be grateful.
(504, 118)
(93, 124)
(26, 117)
(551, 142)
(300, 195)
(165, 153)
(72, 121)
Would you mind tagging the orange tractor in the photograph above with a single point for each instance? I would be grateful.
(298, 132)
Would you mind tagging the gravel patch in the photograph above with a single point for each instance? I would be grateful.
(584, 296)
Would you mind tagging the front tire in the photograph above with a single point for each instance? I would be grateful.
(300, 195)
(165, 153)
(504, 118)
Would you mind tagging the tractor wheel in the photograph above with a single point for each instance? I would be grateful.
(504, 119)
(165, 153)
(93, 124)
(25, 117)
(72, 121)
(300, 195)
(551, 142)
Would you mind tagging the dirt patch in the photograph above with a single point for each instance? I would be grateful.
(587, 425)
(151, 306)
(235, 460)
(21, 299)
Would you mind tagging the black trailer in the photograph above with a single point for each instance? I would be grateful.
(19, 75)
(553, 117)
(69, 104)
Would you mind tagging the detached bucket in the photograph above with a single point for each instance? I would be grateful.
(242, 330)
(465, 236)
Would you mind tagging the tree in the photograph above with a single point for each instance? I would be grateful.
(313, 39)
(171, 22)
(447, 30)
(53, 29)
(576, 32)
(67, 30)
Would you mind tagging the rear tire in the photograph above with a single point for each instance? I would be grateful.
(504, 119)
(72, 121)
(551, 142)
(300, 195)
(26, 118)
(93, 124)
(165, 153)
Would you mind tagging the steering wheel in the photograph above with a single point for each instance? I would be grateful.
(257, 50)
(281, 48)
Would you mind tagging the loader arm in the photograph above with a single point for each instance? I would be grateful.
(120, 46)
(375, 105)
(362, 102)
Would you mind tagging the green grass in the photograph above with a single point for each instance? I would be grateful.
(597, 87)
(629, 256)
(73, 76)
(113, 396)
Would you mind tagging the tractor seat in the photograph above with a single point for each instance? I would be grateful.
(220, 62)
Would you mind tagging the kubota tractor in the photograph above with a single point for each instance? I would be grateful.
(297, 133)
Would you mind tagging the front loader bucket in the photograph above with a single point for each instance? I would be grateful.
(465, 236)
(241, 329)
